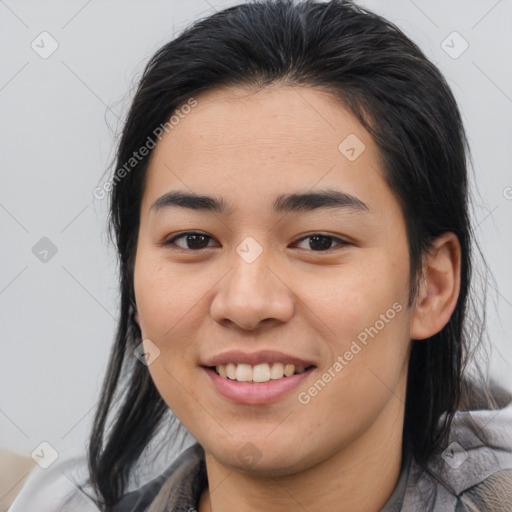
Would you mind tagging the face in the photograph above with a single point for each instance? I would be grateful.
(277, 305)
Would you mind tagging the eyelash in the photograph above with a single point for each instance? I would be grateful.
(171, 241)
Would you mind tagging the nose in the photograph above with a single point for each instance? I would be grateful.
(252, 293)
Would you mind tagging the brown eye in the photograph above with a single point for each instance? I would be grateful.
(190, 240)
(319, 242)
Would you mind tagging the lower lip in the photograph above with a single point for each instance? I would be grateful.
(257, 393)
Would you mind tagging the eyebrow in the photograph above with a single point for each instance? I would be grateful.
(305, 202)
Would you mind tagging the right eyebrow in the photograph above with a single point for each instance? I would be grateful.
(190, 200)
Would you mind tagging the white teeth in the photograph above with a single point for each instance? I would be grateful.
(262, 372)
(289, 370)
(231, 371)
(277, 371)
(243, 372)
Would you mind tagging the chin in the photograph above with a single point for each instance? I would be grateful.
(264, 459)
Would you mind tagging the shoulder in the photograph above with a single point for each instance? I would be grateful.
(177, 488)
(474, 469)
(55, 489)
(64, 487)
(494, 494)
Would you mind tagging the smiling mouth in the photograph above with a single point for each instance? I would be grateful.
(258, 373)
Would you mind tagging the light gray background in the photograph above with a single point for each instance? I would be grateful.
(58, 120)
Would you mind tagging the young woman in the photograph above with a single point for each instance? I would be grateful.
(290, 207)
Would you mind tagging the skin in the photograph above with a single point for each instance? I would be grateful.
(342, 450)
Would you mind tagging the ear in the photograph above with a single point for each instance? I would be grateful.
(439, 288)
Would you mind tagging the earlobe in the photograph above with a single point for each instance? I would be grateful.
(439, 289)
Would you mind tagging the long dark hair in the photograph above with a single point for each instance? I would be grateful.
(400, 97)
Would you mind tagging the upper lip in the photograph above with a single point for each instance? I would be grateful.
(253, 358)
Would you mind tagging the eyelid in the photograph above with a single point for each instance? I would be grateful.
(341, 241)
(171, 240)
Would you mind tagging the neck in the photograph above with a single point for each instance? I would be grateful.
(361, 476)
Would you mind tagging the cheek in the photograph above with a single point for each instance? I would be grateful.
(164, 297)
(368, 320)
(353, 297)
(366, 365)
(167, 301)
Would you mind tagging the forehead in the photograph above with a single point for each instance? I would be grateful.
(290, 122)
(255, 144)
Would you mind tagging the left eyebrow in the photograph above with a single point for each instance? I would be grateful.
(322, 199)
(305, 202)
